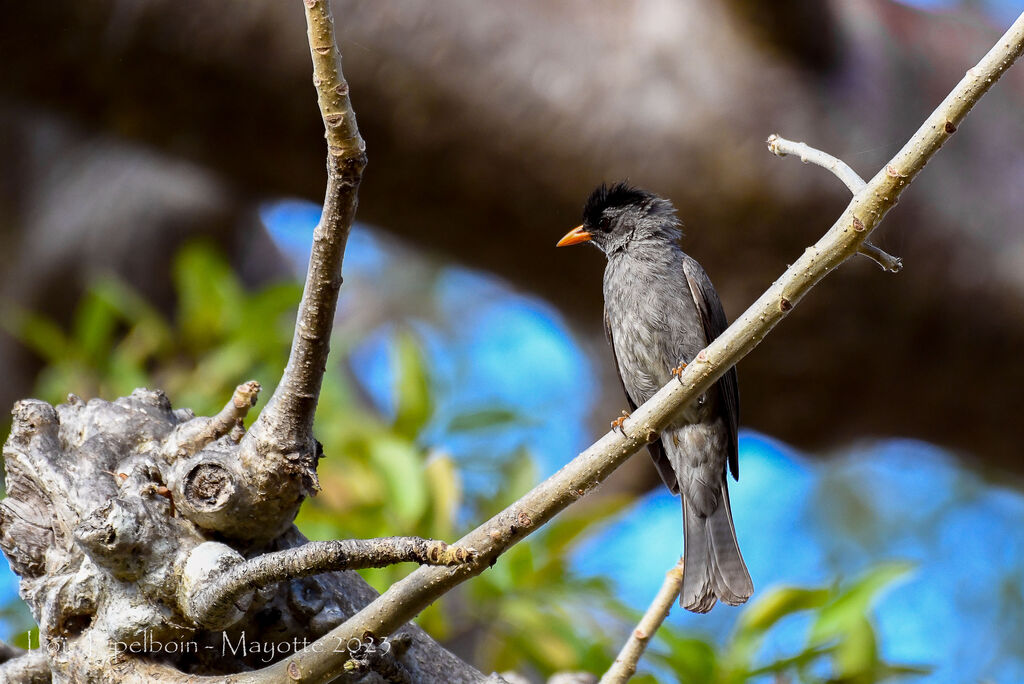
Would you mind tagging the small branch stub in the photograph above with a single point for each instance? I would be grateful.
(625, 664)
(887, 261)
(197, 434)
(779, 146)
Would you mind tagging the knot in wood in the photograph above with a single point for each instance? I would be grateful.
(208, 487)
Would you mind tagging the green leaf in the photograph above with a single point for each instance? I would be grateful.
(445, 493)
(761, 616)
(39, 333)
(148, 323)
(413, 404)
(400, 466)
(268, 319)
(691, 660)
(572, 525)
(797, 662)
(856, 654)
(776, 604)
(485, 419)
(28, 639)
(209, 295)
(93, 329)
(846, 611)
(517, 476)
(886, 670)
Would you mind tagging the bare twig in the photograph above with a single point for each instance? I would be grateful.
(403, 600)
(888, 262)
(781, 147)
(625, 663)
(219, 595)
(201, 433)
(287, 420)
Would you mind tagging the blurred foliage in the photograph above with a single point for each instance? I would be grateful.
(117, 341)
(530, 612)
(840, 646)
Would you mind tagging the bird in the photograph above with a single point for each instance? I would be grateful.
(661, 310)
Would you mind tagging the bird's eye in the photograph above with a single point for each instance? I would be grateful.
(605, 224)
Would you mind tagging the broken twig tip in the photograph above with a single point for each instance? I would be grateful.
(886, 261)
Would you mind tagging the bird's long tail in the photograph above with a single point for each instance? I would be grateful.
(712, 565)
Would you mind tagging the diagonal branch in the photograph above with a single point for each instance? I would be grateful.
(405, 599)
(624, 667)
(780, 146)
(287, 420)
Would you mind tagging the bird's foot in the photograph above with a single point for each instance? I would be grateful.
(677, 372)
(617, 423)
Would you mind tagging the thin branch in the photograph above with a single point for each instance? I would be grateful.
(287, 421)
(781, 147)
(888, 262)
(406, 598)
(624, 666)
(230, 417)
(218, 597)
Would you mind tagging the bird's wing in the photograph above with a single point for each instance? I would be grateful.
(657, 449)
(712, 316)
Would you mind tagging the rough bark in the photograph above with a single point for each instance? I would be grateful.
(137, 529)
(110, 553)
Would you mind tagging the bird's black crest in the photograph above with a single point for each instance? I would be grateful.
(620, 194)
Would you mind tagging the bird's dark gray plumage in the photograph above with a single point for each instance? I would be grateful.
(660, 311)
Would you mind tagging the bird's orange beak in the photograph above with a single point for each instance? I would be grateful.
(574, 237)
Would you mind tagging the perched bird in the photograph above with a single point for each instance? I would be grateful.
(660, 310)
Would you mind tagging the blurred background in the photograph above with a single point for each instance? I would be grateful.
(161, 176)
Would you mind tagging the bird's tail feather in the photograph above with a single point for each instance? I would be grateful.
(712, 565)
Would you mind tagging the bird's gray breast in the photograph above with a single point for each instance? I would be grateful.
(652, 318)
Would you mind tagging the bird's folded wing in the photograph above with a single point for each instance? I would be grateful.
(712, 316)
(657, 449)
